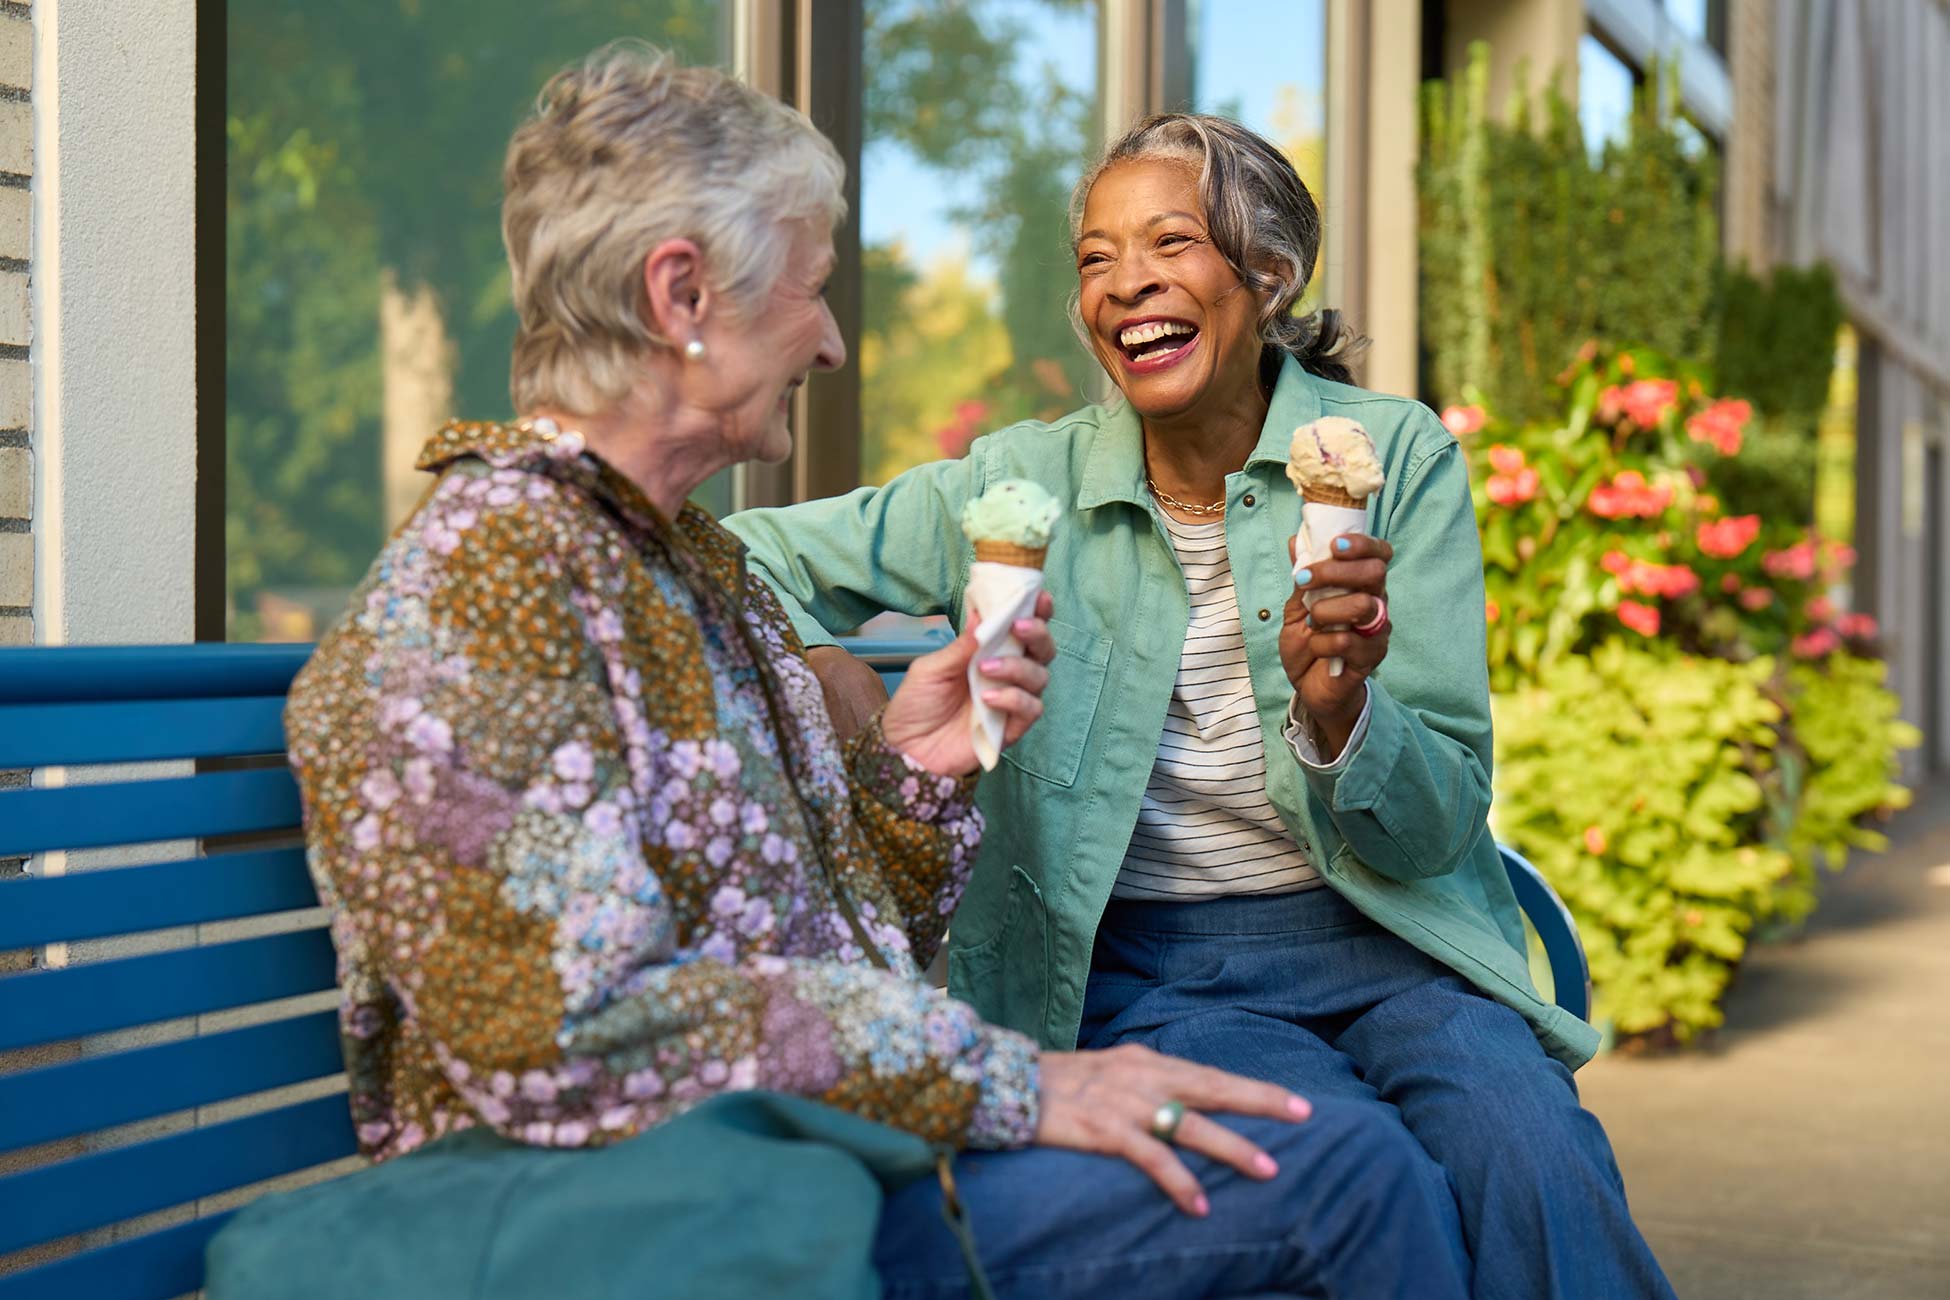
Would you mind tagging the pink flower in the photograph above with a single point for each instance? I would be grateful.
(1462, 421)
(1730, 583)
(1644, 401)
(1512, 489)
(1819, 610)
(1797, 562)
(1723, 539)
(1642, 619)
(1859, 627)
(1813, 645)
(1638, 577)
(1755, 599)
(1594, 840)
(1721, 424)
(1629, 496)
(1505, 459)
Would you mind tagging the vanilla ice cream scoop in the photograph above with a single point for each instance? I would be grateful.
(1014, 513)
(1333, 460)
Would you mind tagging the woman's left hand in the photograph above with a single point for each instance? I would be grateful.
(1307, 641)
(929, 717)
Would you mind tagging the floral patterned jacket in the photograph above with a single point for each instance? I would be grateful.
(590, 845)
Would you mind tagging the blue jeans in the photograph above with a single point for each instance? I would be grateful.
(1429, 1099)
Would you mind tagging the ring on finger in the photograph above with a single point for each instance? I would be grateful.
(1165, 1122)
(1373, 625)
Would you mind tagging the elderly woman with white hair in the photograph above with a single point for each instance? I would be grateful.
(594, 850)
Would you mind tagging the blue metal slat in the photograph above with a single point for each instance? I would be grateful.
(47, 1006)
(99, 1092)
(137, 731)
(52, 674)
(125, 900)
(155, 1266)
(138, 812)
(1570, 973)
(59, 1200)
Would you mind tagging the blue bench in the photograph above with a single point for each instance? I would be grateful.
(76, 1186)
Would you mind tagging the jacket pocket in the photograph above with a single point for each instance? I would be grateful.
(1005, 975)
(1052, 750)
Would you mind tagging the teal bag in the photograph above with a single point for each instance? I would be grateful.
(749, 1195)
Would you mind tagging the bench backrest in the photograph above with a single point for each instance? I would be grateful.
(71, 709)
(234, 979)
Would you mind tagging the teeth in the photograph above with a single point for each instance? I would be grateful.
(1137, 334)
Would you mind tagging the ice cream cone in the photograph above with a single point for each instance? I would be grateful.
(1025, 557)
(1325, 495)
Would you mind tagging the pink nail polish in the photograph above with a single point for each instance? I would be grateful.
(1201, 1207)
(1264, 1166)
(1298, 1108)
(990, 665)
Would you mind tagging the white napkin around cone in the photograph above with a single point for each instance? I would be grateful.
(1320, 524)
(1001, 593)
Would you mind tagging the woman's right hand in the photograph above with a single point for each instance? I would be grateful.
(1105, 1101)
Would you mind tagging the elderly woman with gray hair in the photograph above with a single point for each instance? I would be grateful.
(594, 851)
(1251, 830)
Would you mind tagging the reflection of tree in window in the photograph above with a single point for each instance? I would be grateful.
(367, 293)
(975, 334)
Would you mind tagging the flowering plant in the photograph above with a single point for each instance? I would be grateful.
(1605, 521)
(1687, 720)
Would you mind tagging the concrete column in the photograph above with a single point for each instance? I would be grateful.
(114, 308)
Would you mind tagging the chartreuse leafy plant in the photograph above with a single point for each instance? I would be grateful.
(1627, 777)
(1841, 766)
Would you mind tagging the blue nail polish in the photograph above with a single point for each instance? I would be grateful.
(1303, 577)
(1341, 543)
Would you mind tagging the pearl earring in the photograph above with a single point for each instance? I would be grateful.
(694, 350)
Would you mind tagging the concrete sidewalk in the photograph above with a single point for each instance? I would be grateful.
(1805, 1151)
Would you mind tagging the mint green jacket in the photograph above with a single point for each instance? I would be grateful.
(1400, 830)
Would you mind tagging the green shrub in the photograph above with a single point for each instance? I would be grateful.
(1627, 778)
(1840, 766)
(1530, 245)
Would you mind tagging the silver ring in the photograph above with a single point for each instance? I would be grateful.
(1165, 1122)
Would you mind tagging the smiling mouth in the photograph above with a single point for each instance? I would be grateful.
(1155, 341)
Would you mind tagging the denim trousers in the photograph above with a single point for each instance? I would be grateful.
(1447, 1154)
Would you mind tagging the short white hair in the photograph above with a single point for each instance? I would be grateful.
(625, 150)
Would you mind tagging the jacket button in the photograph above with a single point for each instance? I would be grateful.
(1249, 499)
(1265, 614)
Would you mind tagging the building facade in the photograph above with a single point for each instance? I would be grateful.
(228, 311)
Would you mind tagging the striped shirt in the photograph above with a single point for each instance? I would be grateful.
(1206, 827)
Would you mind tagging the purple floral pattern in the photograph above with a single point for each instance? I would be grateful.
(581, 877)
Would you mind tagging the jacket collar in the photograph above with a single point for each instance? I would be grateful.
(1114, 470)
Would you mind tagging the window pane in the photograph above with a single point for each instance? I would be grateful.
(979, 117)
(367, 290)
(1606, 84)
(1263, 63)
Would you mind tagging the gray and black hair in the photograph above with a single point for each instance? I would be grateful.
(624, 150)
(1261, 218)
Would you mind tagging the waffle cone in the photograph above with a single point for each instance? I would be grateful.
(1328, 496)
(1024, 557)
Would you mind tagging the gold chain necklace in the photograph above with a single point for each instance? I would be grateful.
(1216, 508)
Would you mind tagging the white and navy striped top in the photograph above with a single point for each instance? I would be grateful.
(1206, 827)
